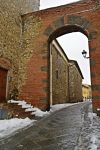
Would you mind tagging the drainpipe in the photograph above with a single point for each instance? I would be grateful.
(51, 75)
(68, 86)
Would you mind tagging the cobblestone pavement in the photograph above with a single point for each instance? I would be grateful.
(62, 130)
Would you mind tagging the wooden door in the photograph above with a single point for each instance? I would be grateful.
(3, 82)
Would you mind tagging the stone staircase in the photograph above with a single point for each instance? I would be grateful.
(16, 111)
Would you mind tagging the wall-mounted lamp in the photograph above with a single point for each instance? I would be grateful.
(84, 53)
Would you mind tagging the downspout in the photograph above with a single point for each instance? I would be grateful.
(51, 76)
(68, 85)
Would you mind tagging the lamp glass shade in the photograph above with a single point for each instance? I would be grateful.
(84, 53)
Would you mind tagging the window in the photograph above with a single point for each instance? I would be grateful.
(56, 74)
(57, 55)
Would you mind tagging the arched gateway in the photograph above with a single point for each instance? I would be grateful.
(39, 29)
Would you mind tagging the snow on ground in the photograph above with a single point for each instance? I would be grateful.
(37, 111)
(90, 134)
(94, 138)
(89, 137)
(9, 126)
(60, 106)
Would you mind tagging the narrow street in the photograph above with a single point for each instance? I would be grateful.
(72, 128)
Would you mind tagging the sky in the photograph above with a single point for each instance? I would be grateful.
(52, 3)
(73, 43)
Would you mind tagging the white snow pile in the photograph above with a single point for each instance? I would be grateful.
(35, 111)
(60, 106)
(39, 113)
(94, 137)
(9, 126)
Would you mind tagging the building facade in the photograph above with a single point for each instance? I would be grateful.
(75, 82)
(59, 71)
(66, 76)
(24, 47)
(14, 56)
(86, 92)
(11, 31)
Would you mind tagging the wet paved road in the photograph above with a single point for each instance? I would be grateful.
(59, 131)
(89, 138)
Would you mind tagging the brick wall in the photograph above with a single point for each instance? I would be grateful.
(39, 28)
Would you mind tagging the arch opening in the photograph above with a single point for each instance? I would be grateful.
(66, 74)
(65, 30)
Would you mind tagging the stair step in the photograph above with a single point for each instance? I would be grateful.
(16, 110)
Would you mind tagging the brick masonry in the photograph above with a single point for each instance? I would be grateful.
(52, 23)
(28, 45)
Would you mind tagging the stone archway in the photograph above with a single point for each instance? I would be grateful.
(53, 65)
(40, 27)
(68, 28)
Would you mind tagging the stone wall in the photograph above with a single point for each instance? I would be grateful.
(59, 75)
(11, 37)
(41, 27)
(75, 84)
(27, 6)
